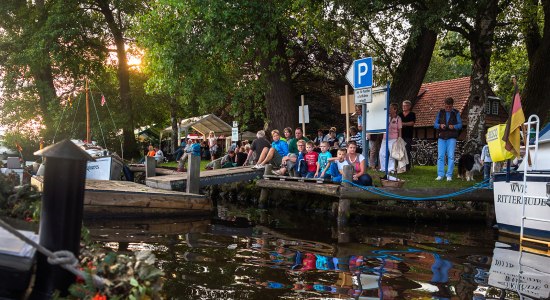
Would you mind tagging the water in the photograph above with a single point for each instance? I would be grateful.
(252, 254)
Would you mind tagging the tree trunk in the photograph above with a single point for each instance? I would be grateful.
(481, 43)
(536, 96)
(130, 145)
(281, 107)
(413, 66)
(43, 77)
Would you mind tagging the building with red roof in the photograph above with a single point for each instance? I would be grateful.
(430, 100)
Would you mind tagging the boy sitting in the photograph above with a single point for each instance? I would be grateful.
(337, 165)
(311, 158)
(323, 163)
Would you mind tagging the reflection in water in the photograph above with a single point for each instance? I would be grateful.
(516, 274)
(260, 255)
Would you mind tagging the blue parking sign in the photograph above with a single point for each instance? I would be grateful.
(360, 73)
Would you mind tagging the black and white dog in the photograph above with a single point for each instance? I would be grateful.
(467, 165)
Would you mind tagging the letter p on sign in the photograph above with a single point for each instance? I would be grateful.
(363, 73)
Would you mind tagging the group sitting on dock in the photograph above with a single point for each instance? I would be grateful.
(308, 160)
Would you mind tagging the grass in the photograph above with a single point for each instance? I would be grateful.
(424, 177)
(417, 177)
(173, 164)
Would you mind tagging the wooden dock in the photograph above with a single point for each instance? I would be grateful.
(106, 198)
(339, 191)
(178, 182)
(460, 206)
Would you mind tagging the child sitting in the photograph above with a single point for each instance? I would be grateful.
(323, 163)
(337, 165)
(311, 158)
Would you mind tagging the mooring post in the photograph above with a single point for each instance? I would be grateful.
(150, 167)
(61, 214)
(193, 175)
(343, 203)
(262, 202)
(217, 164)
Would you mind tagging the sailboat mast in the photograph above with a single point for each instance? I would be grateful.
(88, 140)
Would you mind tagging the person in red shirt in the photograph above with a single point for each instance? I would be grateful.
(311, 158)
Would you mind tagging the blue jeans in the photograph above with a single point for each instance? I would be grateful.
(445, 147)
(336, 176)
(486, 170)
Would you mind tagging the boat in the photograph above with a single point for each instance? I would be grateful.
(521, 197)
(106, 165)
(516, 270)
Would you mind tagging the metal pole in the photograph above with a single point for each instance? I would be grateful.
(364, 131)
(387, 127)
(61, 215)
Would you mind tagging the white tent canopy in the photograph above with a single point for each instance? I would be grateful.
(203, 125)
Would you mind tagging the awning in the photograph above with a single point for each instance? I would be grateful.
(204, 124)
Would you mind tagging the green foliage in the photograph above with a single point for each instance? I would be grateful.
(126, 277)
(513, 61)
(22, 202)
(450, 59)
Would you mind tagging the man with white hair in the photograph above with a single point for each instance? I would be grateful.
(258, 146)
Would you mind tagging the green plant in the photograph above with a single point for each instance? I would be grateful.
(125, 277)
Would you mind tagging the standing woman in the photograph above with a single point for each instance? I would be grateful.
(358, 162)
(394, 131)
(212, 144)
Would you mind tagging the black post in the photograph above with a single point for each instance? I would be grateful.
(61, 216)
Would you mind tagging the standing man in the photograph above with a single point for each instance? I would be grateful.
(448, 124)
(408, 118)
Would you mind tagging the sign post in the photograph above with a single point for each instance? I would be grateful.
(360, 76)
(235, 132)
(303, 116)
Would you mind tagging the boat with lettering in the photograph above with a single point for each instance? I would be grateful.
(521, 197)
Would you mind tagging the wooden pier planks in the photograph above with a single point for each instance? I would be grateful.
(178, 181)
(124, 198)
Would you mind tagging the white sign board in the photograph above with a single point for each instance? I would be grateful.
(377, 110)
(235, 124)
(234, 134)
(100, 169)
(306, 114)
(363, 96)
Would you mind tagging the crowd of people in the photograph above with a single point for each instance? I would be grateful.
(293, 154)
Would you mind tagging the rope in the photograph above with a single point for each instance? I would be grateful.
(73, 130)
(63, 258)
(377, 191)
(113, 121)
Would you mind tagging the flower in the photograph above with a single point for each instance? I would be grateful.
(98, 296)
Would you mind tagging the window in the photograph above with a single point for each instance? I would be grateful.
(494, 109)
(488, 107)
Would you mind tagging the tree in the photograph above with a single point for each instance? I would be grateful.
(43, 47)
(536, 96)
(480, 36)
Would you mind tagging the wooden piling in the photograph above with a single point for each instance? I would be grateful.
(193, 174)
(217, 164)
(344, 203)
(150, 166)
(262, 202)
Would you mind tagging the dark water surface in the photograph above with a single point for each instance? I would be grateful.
(243, 253)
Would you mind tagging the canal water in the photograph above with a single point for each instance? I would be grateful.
(244, 253)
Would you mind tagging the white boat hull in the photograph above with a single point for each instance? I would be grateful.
(508, 203)
(104, 168)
